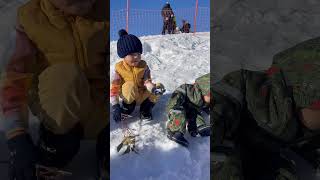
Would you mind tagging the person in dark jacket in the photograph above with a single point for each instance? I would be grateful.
(168, 19)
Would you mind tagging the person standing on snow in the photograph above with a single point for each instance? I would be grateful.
(132, 80)
(184, 110)
(168, 19)
(58, 70)
(266, 114)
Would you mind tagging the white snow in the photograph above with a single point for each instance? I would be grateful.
(173, 60)
(247, 33)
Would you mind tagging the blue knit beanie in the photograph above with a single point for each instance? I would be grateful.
(128, 44)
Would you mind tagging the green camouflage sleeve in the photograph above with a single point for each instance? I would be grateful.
(228, 101)
(227, 104)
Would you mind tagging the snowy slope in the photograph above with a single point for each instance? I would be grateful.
(173, 60)
(247, 33)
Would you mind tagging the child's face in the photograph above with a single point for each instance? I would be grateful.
(207, 99)
(74, 7)
(133, 59)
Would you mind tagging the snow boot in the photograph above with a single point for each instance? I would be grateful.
(102, 154)
(204, 130)
(146, 109)
(23, 157)
(192, 124)
(192, 128)
(57, 150)
(128, 108)
(178, 138)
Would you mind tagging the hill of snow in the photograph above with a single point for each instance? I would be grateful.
(247, 33)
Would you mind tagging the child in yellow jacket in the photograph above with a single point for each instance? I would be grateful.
(132, 80)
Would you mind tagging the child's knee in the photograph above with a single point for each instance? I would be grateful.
(129, 92)
(64, 97)
(176, 121)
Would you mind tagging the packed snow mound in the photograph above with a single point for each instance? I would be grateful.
(173, 60)
(248, 33)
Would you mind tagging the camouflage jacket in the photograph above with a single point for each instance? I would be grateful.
(190, 96)
(269, 101)
(186, 97)
(245, 98)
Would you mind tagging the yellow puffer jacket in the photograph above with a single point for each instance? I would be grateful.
(134, 74)
(68, 39)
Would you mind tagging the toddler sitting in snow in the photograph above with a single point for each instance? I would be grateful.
(184, 108)
(132, 80)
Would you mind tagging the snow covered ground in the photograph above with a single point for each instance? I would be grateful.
(173, 60)
(247, 33)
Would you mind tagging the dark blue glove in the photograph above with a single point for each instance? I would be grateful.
(158, 89)
(23, 157)
(116, 113)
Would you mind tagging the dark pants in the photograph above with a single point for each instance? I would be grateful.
(168, 25)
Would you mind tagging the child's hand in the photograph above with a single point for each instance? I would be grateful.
(116, 113)
(159, 89)
(149, 85)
